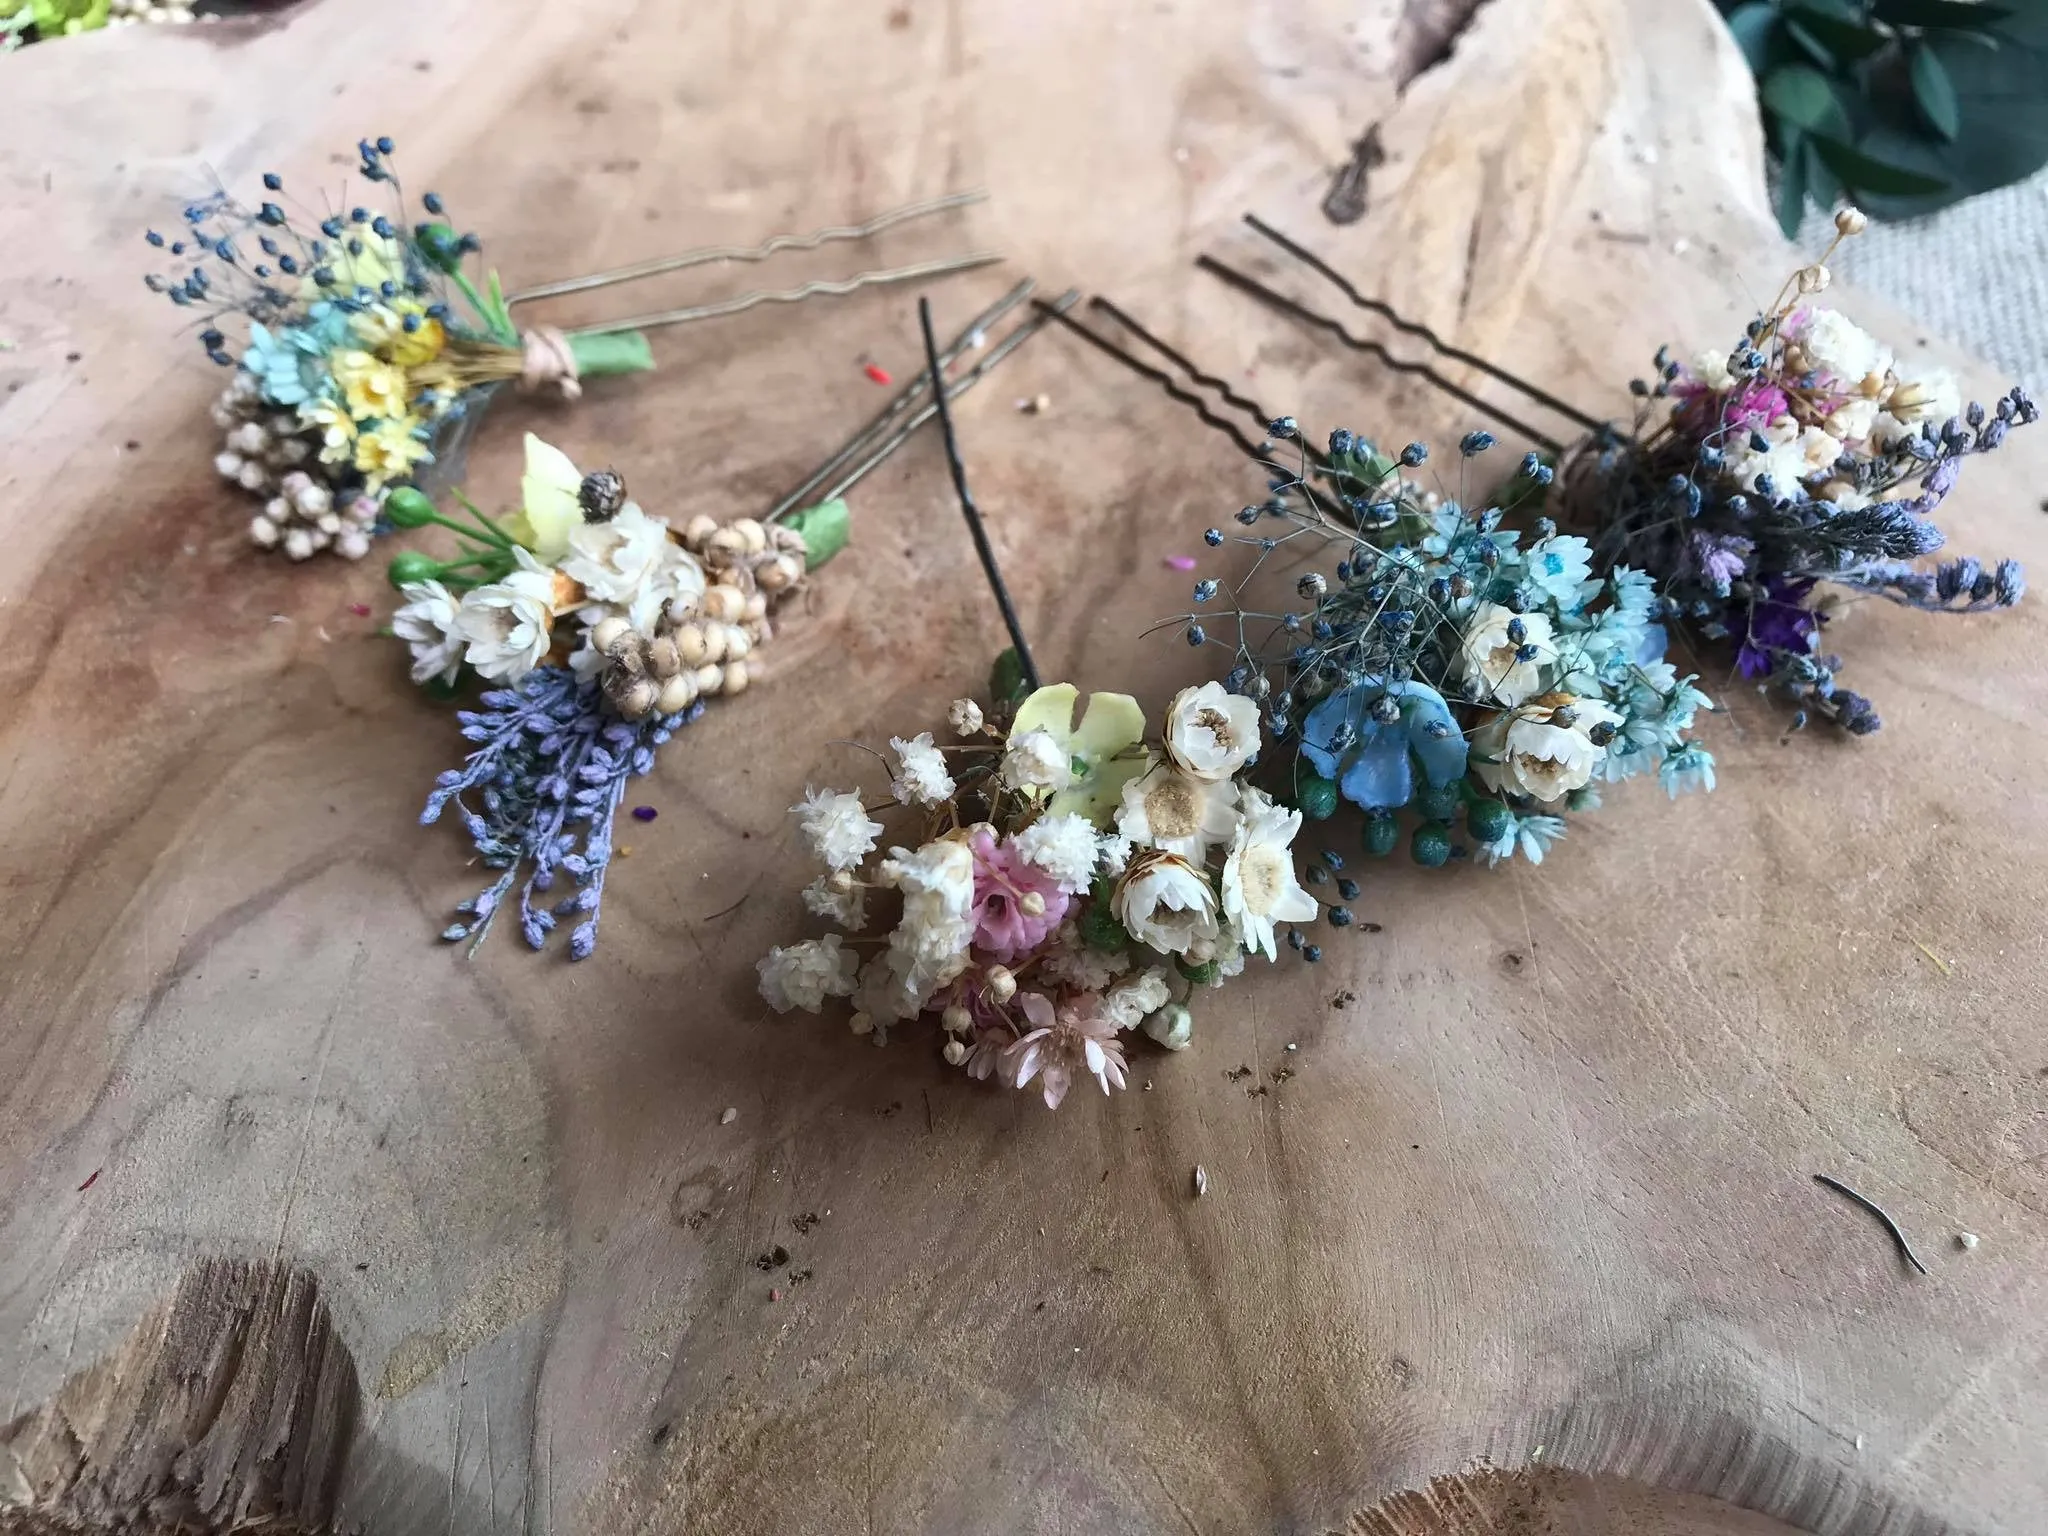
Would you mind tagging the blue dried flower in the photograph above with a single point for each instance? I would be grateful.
(1372, 759)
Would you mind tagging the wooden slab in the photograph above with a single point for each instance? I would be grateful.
(1537, 1193)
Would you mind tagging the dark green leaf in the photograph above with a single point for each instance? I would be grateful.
(610, 352)
(1821, 183)
(1753, 25)
(824, 527)
(1861, 173)
(1805, 98)
(1940, 13)
(1847, 39)
(1936, 93)
(1006, 678)
(1815, 49)
(1792, 184)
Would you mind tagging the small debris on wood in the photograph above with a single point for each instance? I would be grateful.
(772, 1260)
(1370, 928)
(1967, 1240)
(1259, 1091)
(728, 1115)
(799, 1276)
(1282, 1075)
(1148, 1085)
(775, 1294)
(1292, 1046)
(878, 373)
(805, 1222)
(1178, 562)
(1880, 1213)
(1034, 405)
(1238, 1074)
(90, 1180)
(1201, 1181)
(1343, 999)
(1940, 964)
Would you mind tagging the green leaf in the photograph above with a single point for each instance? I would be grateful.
(1845, 38)
(1753, 25)
(1822, 186)
(1006, 684)
(1805, 98)
(1964, 14)
(1936, 93)
(1861, 173)
(611, 352)
(1792, 184)
(825, 528)
(500, 311)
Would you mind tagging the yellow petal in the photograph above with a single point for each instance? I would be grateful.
(1113, 722)
(548, 500)
(1050, 709)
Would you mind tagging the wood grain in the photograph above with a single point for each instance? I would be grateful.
(1537, 1191)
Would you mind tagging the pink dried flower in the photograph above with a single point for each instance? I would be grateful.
(1075, 1036)
(1017, 905)
(1758, 405)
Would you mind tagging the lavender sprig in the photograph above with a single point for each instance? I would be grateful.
(551, 759)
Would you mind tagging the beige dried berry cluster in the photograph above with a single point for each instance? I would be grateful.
(265, 452)
(704, 647)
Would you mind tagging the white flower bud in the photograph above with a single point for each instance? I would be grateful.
(1851, 221)
(1002, 986)
(965, 717)
(228, 465)
(728, 546)
(329, 524)
(637, 699)
(263, 533)
(312, 498)
(606, 634)
(352, 545)
(1031, 904)
(710, 678)
(955, 1053)
(697, 532)
(714, 642)
(736, 678)
(839, 882)
(249, 438)
(861, 1024)
(1814, 278)
(1172, 1026)
(690, 646)
(253, 476)
(663, 659)
(299, 543)
(726, 604)
(752, 535)
(737, 642)
(755, 611)
(678, 693)
(958, 1020)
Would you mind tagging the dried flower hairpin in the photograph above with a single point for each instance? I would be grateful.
(1756, 486)
(1439, 669)
(1061, 878)
(604, 630)
(369, 344)
(1807, 458)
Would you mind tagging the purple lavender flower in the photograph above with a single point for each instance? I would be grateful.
(551, 759)
(1778, 622)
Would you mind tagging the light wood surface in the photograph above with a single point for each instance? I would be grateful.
(1537, 1192)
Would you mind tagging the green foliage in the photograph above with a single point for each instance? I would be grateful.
(1902, 106)
(1006, 682)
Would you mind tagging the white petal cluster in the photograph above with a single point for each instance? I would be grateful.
(922, 778)
(1065, 846)
(837, 827)
(804, 975)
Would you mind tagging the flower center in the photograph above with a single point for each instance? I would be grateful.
(1170, 808)
(1262, 872)
(1217, 724)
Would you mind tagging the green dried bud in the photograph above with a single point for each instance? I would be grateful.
(410, 565)
(408, 508)
(1431, 845)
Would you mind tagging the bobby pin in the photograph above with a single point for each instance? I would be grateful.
(901, 405)
(1302, 312)
(734, 253)
(748, 301)
(1380, 307)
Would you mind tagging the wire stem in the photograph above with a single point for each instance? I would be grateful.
(968, 510)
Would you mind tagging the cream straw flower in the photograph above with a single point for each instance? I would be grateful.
(426, 622)
(506, 624)
(1260, 889)
(1504, 653)
(1168, 809)
(1544, 750)
(1211, 732)
(1164, 901)
(614, 560)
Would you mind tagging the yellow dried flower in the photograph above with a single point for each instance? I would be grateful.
(373, 388)
(336, 427)
(389, 451)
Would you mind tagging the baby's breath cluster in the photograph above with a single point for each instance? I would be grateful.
(1058, 881)
(1440, 670)
(365, 340)
(1803, 464)
(607, 631)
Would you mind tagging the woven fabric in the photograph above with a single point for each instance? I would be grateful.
(1975, 274)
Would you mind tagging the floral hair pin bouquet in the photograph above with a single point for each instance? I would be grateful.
(1443, 670)
(1051, 883)
(1807, 462)
(602, 631)
(369, 342)
(1057, 876)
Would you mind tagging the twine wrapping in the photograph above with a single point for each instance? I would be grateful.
(548, 359)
